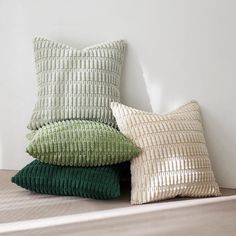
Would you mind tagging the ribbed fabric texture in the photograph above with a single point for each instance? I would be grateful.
(174, 159)
(80, 143)
(76, 84)
(96, 182)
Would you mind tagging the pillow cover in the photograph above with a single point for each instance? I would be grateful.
(91, 182)
(80, 143)
(174, 159)
(76, 84)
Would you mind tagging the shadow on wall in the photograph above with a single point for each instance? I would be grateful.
(153, 89)
(159, 99)
(141, 89)
(219, 141)
(134, 91)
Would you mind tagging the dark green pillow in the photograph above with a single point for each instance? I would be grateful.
(80, 143)
(91, 182)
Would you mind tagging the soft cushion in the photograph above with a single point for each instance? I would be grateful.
(80, 143)
(91, 182)
(76, 84)
(174, 160)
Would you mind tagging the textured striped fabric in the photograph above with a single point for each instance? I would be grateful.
(76, 84)
(91, 182)
(174, 159)
(80, 143)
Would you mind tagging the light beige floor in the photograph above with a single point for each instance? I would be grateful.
(45, 215)
(19, 204)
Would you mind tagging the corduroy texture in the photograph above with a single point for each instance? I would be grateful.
(76, 84)
(174, 159)
(91, 182)
(80, 143)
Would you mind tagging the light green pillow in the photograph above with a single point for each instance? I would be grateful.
(76, 84)
(80, 143)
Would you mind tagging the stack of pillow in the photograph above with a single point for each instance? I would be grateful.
(74, 136)
(78, 147)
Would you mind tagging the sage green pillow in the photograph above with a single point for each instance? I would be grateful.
(80, 143)
(91, 182)
(76, 84)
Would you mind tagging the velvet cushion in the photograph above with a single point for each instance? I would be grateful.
(81, 143)
(174, 160)
(76, 84)
(91, 182)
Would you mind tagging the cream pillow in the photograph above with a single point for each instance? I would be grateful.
(76, 84)
(174, 160)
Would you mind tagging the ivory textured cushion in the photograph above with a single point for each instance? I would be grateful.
(174, 159)
(76, 84)
(80, 143)
(91, 182)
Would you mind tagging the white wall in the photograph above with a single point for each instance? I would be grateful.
(178, 50)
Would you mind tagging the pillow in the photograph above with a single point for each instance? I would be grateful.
(174, 159)
(91, 182)
(80, 143)
(76, 84)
